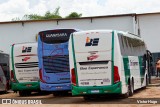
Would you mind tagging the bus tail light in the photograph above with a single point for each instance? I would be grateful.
(116, 75)
(12, 76)
(73, 76)
(40, 76)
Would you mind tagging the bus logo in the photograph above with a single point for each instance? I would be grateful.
(92, 57)
(56, 35)
(25, 59)
(26, 49)
(92, 42)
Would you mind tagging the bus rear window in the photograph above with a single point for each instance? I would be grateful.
(93, 62)
(55, 36)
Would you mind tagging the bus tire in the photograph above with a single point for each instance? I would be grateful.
(5, 90)
(86, 98)
(22, 93)
(131, 88)
(28, 93)
(65, 93)
(56, 94)
(146, 82)
(126, 95)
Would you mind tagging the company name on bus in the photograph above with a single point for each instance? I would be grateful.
(92, 68)
(56, 35)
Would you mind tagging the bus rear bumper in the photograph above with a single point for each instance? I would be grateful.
(88, 90)
(29, 86)
(55, 87)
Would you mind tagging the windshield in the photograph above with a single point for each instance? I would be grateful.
(55, 36)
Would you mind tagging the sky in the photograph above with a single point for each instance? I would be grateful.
(10, 9)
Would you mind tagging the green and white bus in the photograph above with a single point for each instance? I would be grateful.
(107, 62)
(25, 71)
(4, 72)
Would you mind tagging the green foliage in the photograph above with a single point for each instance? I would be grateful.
(47, 15)
(16, 19)
(74, 15)
(32, 17)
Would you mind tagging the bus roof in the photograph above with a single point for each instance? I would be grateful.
(24, 43)
(110, 31)
(131, 35)
(59, 29)
(86, 31)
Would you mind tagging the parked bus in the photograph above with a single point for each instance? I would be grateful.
(54, 60)
(3, 80)
(107, 62)
(24, 73)
(4, 72)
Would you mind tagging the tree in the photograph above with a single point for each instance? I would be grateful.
(74, 15)
(47, 15)
(32, 17)
(16, 19)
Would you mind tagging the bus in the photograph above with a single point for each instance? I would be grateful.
(107, 62)
(4, 72)
(54, 61)
(3, 81)
(25, 71)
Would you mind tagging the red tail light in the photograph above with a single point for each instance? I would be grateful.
(73, 76)
(12, 76)
(116, 75)
(40, 75)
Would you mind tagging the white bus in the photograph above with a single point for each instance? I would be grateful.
(4, 72)
(25, 71)
(3, 80)
(107, 61)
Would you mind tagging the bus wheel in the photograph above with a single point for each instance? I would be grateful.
(86, 97)
(22, 93)
(65, 93)
(28, 93)
(131, 88)
(146, 84)
(6, 89)
(56, 94)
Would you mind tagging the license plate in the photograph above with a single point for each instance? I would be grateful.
(94, 91)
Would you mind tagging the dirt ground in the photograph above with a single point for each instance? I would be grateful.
(152, 92)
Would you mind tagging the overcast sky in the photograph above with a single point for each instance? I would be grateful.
(10, 9)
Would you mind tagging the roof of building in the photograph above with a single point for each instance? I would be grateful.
(92, 17)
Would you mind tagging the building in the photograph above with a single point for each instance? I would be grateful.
(147, 25)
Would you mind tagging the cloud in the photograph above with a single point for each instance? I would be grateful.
(39, 8)
(17, 8)
(12, 8)
(130, 6)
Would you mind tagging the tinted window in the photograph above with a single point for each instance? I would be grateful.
(56, 36)
(131, 46)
